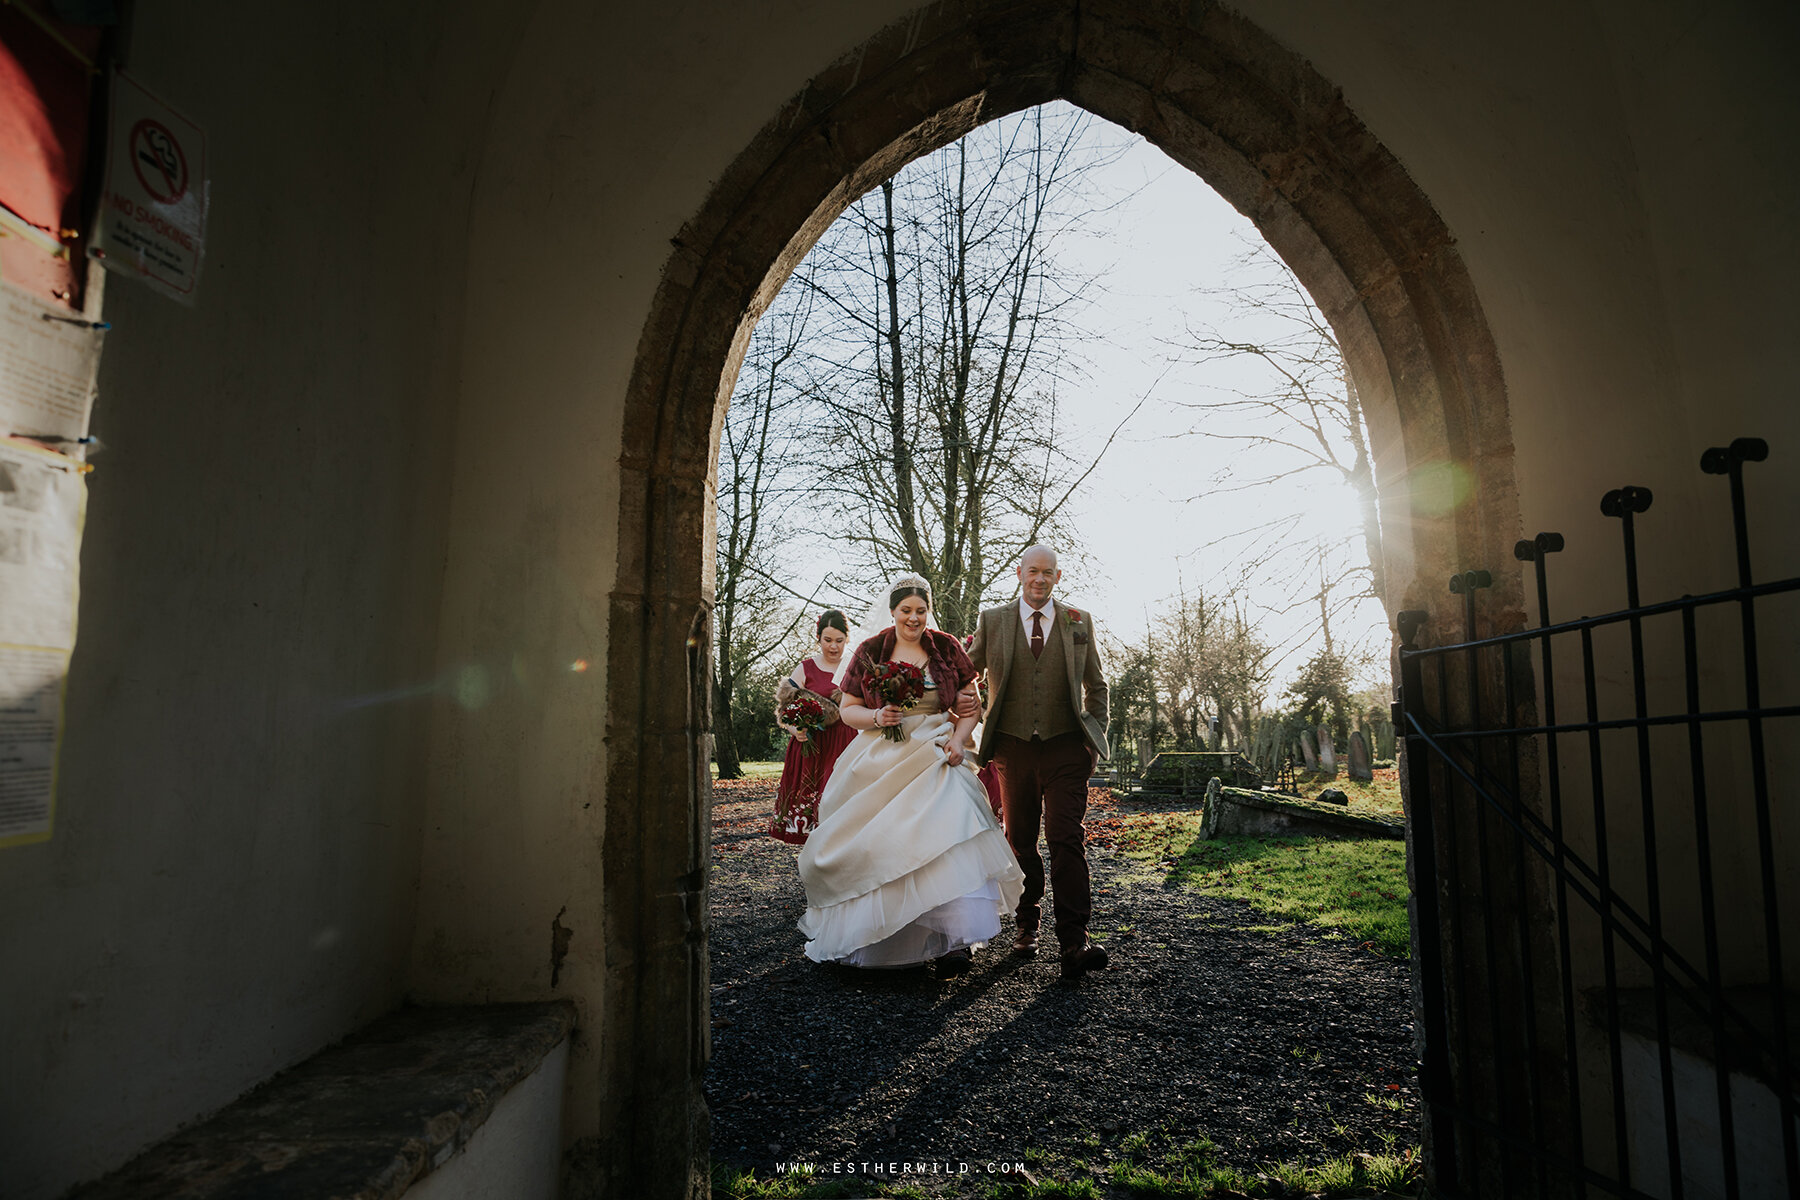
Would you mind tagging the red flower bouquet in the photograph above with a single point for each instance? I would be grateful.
(806, 714)
(898, 683)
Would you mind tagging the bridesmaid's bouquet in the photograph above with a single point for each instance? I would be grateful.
(806, 714)
(900, 684)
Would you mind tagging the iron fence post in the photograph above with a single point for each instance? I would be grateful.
(1436, 1085)
(1729, 461)
(1625, 504)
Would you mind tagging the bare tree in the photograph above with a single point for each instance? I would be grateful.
(764, 434)
(1321, 691)
(1208, 663)
(953, 325)
(1308, 409)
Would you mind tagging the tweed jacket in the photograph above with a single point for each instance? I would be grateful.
(1000, 641)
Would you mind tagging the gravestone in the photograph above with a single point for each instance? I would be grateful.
(1332, 796)
(1359, 758)
(1146, 751)
(1327, 754)
(1307, 752)
(1211, 810)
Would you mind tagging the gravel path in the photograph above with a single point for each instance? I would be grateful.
(1276, 1045)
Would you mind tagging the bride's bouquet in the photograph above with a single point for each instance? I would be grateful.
(897, 683)
(806, 714)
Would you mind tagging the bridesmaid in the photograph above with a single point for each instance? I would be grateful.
(806, 767)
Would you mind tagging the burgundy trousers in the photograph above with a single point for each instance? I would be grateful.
(1043, 784)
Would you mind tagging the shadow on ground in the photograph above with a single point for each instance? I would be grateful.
(1276, 1045)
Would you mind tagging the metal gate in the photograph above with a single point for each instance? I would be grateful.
(1601, 869)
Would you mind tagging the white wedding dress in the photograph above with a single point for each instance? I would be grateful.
(908, 862)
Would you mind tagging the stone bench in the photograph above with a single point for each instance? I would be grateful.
(378, 1113)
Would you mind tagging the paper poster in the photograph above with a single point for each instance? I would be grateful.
(48, 372)
(153, 218)
(31, 688)
(42, 505)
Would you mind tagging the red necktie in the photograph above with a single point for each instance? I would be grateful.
(1037, 634)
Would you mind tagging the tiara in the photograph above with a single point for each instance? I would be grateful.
(905, 582)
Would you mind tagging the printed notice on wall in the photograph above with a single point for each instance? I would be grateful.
(42, 504)
(47, 374)
(153, 217)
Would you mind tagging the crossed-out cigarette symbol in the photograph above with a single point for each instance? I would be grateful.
(157, 161)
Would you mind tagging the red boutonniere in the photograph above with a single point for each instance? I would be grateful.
(1075, 626)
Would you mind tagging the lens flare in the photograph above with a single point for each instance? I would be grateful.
(471, 687)
(1439, 489)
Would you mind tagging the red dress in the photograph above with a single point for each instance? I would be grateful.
(807, 765)
(991, 783)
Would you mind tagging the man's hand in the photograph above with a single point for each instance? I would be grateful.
(968, 702)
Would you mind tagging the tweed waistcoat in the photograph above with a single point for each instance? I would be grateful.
(1037, 692)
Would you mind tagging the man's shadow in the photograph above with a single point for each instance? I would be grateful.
(889, 1053)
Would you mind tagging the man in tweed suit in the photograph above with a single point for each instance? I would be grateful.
(1044, 731)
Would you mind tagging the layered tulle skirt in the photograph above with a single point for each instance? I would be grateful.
(908, 861)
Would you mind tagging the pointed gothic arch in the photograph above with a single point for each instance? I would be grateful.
(1216, 94)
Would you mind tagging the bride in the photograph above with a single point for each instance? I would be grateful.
(907, 864)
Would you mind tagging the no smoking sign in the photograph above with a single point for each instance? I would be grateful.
(157, 161)
(154, 224)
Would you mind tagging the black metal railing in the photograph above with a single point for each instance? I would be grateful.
(1547, 887)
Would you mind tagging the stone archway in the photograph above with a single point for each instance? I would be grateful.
(1216, 94)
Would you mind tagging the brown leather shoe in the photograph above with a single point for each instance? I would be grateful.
(957, 962)
(1026, 941)
(1089, 956)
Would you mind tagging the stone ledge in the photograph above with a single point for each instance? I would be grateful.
(361, 1120)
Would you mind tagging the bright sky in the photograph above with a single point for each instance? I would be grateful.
(1150, 511)
(1153, 520)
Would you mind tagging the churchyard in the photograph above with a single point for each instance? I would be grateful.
(1253, 1037)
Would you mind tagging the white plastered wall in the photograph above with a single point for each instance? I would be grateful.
(232, 877)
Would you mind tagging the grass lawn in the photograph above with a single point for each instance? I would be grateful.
(1148, 1172)
(1358, 885)
(1380, 795)
(1190, 1172)
(755, 770)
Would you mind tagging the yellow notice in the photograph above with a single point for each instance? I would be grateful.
(42, 505)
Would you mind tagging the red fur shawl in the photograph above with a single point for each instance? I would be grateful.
(944, 655)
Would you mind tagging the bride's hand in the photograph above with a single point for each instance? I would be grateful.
(889, 714)
(953, 753)
(968, 701)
